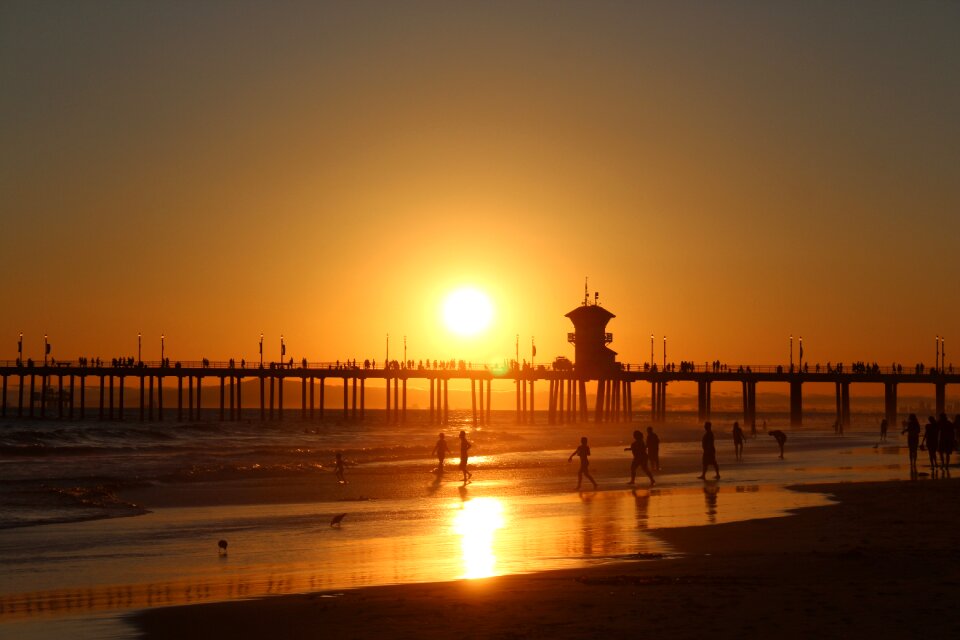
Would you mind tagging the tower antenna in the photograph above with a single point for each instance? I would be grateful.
(586, 291)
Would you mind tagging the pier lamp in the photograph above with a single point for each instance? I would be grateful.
(20, 347)
(283, 349)
(404, 351)
(162, 338)
(651, 350)
(791, 352)
(139, 348)
(801, 354)
(46, 349)
(664, 353)
(261, 350)
(386, 363)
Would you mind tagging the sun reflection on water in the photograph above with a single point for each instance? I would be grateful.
(476, 522)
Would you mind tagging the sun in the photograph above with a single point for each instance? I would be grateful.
(467, 311)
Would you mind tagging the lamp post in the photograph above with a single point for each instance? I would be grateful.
(139, 348)
(283, 349)
(801, 354)
(651, 350)
(20, 348)
(162, 352)
(791, 353)
(404, 351)
(46, 349)
(518, 351)
(386, 363)
(664, 353)
(261, 350)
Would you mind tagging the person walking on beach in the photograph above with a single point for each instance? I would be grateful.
(583, 451)
(931, 438)
(781, 439)
(912, 429)
(946, 443)
(440, 450)
(639, 450)
(653, 449)
(709, 452)
(737, 441)
(464, 448)
(883, 430)
(338, 468)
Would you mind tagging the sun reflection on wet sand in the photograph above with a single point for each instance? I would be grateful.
(105, 566)
(476, 521)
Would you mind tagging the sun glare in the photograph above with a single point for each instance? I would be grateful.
(476, 521)
(467, 311)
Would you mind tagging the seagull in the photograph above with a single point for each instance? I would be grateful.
(336, 520)
(223, 547)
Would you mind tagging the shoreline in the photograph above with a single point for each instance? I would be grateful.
(881, 561)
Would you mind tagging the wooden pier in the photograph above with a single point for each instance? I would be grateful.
(50, 392)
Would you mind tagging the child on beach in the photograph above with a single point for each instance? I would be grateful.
(583, 451)
(440, 450)
(639, 458)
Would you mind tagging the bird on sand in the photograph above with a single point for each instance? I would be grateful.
(222, 547)
(337, 519)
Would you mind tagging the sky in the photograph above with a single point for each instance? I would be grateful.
(725, 174)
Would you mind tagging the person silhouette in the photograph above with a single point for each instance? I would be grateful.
(639, 450)
(440, 450)
(931, 438)
(709, 451)
(738, 441)
(946, 442)
(883, 430)
(781, 439)
(338, 468)
(583, 451)
(912, 429)
(464, 448)
(653, 449)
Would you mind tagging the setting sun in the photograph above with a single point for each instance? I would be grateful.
(467, 311)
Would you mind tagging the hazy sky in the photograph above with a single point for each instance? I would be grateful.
(726, 173)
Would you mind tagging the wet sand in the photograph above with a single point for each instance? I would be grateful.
(883, 562)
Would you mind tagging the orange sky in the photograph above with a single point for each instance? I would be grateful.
(726, 175)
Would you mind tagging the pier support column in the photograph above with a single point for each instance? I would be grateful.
(110, 414)
(179, 398)
(532, 404)
(43, 396)
(396, 399)
(223, 384)
(701, 401)
(432, 398)
(312, 404)
(709, 400)
(941, 401)
(387, 411)
(523, 414)
(143, 407)
(323, 393)
(839, 408)
(446, 401)
(519, 393)
(272, 384)
(303, 398)
(233, 397)
(473, 401)
(239, 401)
(353, 412)
(3, 411)
(150, 407)
(83, 397)
(598, 408)
(199, 396)
(363, 398)
(845, 404)
(489, 397)
(101, 395)
(890, 404)
(20, 398)
(263, 405)
(482, 415)
(160, 398)
(796, 403)
(122, 385)
(280, 398)
(189, 398)
(72, 396)
(403, 407)
(60, 396)
(346, 402)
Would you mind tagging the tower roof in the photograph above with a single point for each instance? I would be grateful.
(590, 311)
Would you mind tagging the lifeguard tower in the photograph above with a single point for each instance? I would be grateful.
(593, 359)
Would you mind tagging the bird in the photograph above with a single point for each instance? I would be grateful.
(337, 519)
(223, 547)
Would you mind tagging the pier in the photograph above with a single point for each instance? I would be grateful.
(51, 392)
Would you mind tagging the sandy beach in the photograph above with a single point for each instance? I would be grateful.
(883, 562)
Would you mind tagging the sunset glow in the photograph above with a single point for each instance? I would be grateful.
(477, 522)
(467, 311)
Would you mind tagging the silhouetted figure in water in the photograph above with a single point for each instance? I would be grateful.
(737, 441)
(912, 429)
(653, 449)
(639, 450)
(781, 439)
(440, 450)
(883, 430)
(931, 439)
(947, 441)
(338, 468)
(709, 452)
(583, 451)
(464, 448)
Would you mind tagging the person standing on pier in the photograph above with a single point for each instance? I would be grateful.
(583, 451)
(440, 450)
(709, 452)
(653, 449)
(464, 449)
(912, 429)
(640, 458)
(738, 441)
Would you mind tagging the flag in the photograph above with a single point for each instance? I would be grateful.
(801, 350)
(534, 350)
